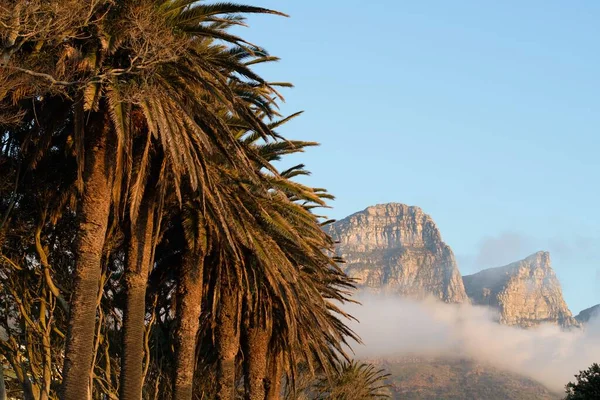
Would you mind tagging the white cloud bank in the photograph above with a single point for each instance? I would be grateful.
(392, 326)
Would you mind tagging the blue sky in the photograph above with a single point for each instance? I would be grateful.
(485, 114)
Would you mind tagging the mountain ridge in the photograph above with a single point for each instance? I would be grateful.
(526, 292)
(585, 315)
(397, 248)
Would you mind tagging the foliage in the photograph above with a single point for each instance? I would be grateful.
(137, 150)
(586, 386)
(355, 380)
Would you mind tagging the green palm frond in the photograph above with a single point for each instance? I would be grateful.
(355, 381)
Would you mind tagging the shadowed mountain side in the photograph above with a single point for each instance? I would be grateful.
(421, 378)
(589, 313)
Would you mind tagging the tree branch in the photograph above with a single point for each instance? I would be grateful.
(48, 77)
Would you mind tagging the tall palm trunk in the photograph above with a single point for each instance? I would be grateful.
(93, 213)
(256, 347)
(228, 342)
(189, 306)
(2, 386)
(139, 259)
(274, 383)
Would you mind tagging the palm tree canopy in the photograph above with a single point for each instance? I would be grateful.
(166, 66)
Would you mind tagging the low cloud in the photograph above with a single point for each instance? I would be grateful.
(394, 326)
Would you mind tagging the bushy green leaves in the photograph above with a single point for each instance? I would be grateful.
(586, 386)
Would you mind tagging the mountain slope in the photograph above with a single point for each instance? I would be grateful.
(526, 292)
(396, 248)
(585, 315)
(420, 378)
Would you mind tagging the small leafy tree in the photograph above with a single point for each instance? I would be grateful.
(587, 386)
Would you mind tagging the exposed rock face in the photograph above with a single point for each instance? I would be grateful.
(526, 292)
(396, 248)
(588, 314)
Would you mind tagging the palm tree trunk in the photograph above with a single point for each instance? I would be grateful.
(93, 213)
(189, 307)
(256, 347)
(228, 342)
(274, 383)
(139, 259)
(2, 386)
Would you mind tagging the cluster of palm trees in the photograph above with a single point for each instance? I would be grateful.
(149, 246)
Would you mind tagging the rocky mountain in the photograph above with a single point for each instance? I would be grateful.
(526, 292)
(396, 248)
(585, 315)
(422, 378)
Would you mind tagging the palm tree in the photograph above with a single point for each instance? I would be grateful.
(227, 332)
(139, 258)
(290, 235)
(210, 22)
(209, 219)
(93, 212)
(189, 301)
(354, 381)
(255, 346)
(161, 112)
(274, 375)
(2, 386)
(112, 58)
(319, 280)
(251, 245)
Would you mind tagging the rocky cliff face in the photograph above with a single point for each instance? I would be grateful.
(526, 292)
(396, 248)
(588, 313)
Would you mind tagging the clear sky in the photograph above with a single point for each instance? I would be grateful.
(486, 114)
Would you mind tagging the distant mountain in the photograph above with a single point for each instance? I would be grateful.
(396, 248)
(526, 292)
(420, 378)
(585, 315)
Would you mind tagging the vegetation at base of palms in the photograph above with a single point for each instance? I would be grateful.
(354, 380)
(586, 385)
(149, 246)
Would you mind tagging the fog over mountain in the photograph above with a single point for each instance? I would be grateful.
(415, 304)
(392, 326)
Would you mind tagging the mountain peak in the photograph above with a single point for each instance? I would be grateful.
(587, 314)
(526, 292)
(394, 226)
(398, 248)
(539, 259)
(392, 208)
